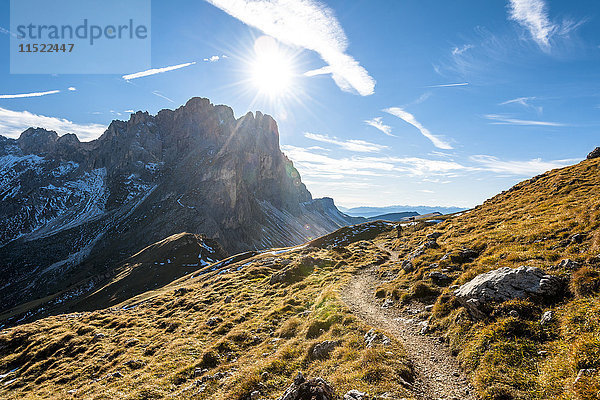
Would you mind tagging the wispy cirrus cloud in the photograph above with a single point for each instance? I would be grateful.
(410, 119)
(505, 120)
(521, 168)
(155, 71)
(314, 164)
(377, 123)
(308, 24)
(533, 15)
(525, 102)
(13, 123)
(24, 95)
(460, 50)
(359, 146)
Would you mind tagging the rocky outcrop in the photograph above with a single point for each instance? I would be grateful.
(373, 338)
(594, 153)
(355, 395)
(461, 256)
(311, 389)
(505, 284)
(323, 349)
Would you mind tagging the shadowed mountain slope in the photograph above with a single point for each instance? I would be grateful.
(71, 212)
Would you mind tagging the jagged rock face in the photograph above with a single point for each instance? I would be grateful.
(594, 153)
(195, 169)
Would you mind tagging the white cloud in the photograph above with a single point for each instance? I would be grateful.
(522, 168)
(13, 123)
(533, 16)
(155, 71)
(525, 102)
(72, 89)
(409, 118)
(212, 59)
(129, 111)
(378, 124)
(462, 49)
(314, 164)
(422, 98)
(503, 120)
(319, 71)
(308, 24)
(23, 95)
(359, 146)
(449, 85)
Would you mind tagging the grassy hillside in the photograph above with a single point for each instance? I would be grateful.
(539, 222)
(247, 325)
(244, 326)
(154, 266)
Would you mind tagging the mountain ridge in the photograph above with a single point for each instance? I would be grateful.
(369, 212)
(196, 169)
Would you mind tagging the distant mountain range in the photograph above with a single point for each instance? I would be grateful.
(369, 212)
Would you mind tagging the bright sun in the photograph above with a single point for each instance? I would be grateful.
(272, 69)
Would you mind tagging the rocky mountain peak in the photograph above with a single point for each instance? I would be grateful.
(197, 169)
(37, 141)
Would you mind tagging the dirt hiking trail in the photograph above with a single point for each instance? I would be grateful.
(438, 375)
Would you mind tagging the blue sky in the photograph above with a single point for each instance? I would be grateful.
(384, 102)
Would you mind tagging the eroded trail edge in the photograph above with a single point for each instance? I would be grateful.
(438, 375)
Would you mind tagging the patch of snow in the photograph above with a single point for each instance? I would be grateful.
(64, 168)
(152, 167)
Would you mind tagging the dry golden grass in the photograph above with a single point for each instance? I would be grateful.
(532, 224)
(163, 347)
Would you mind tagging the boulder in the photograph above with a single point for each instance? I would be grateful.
(568, 264)
(439, 277)
(594, 153)
(505, 284)
(355, 395)
(322, 350)
(547, 317)
(214, 321)
(312, 389)
(373, 337)
(417, 253)
(464, 256)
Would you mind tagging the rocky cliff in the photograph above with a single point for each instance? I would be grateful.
(73, 210)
